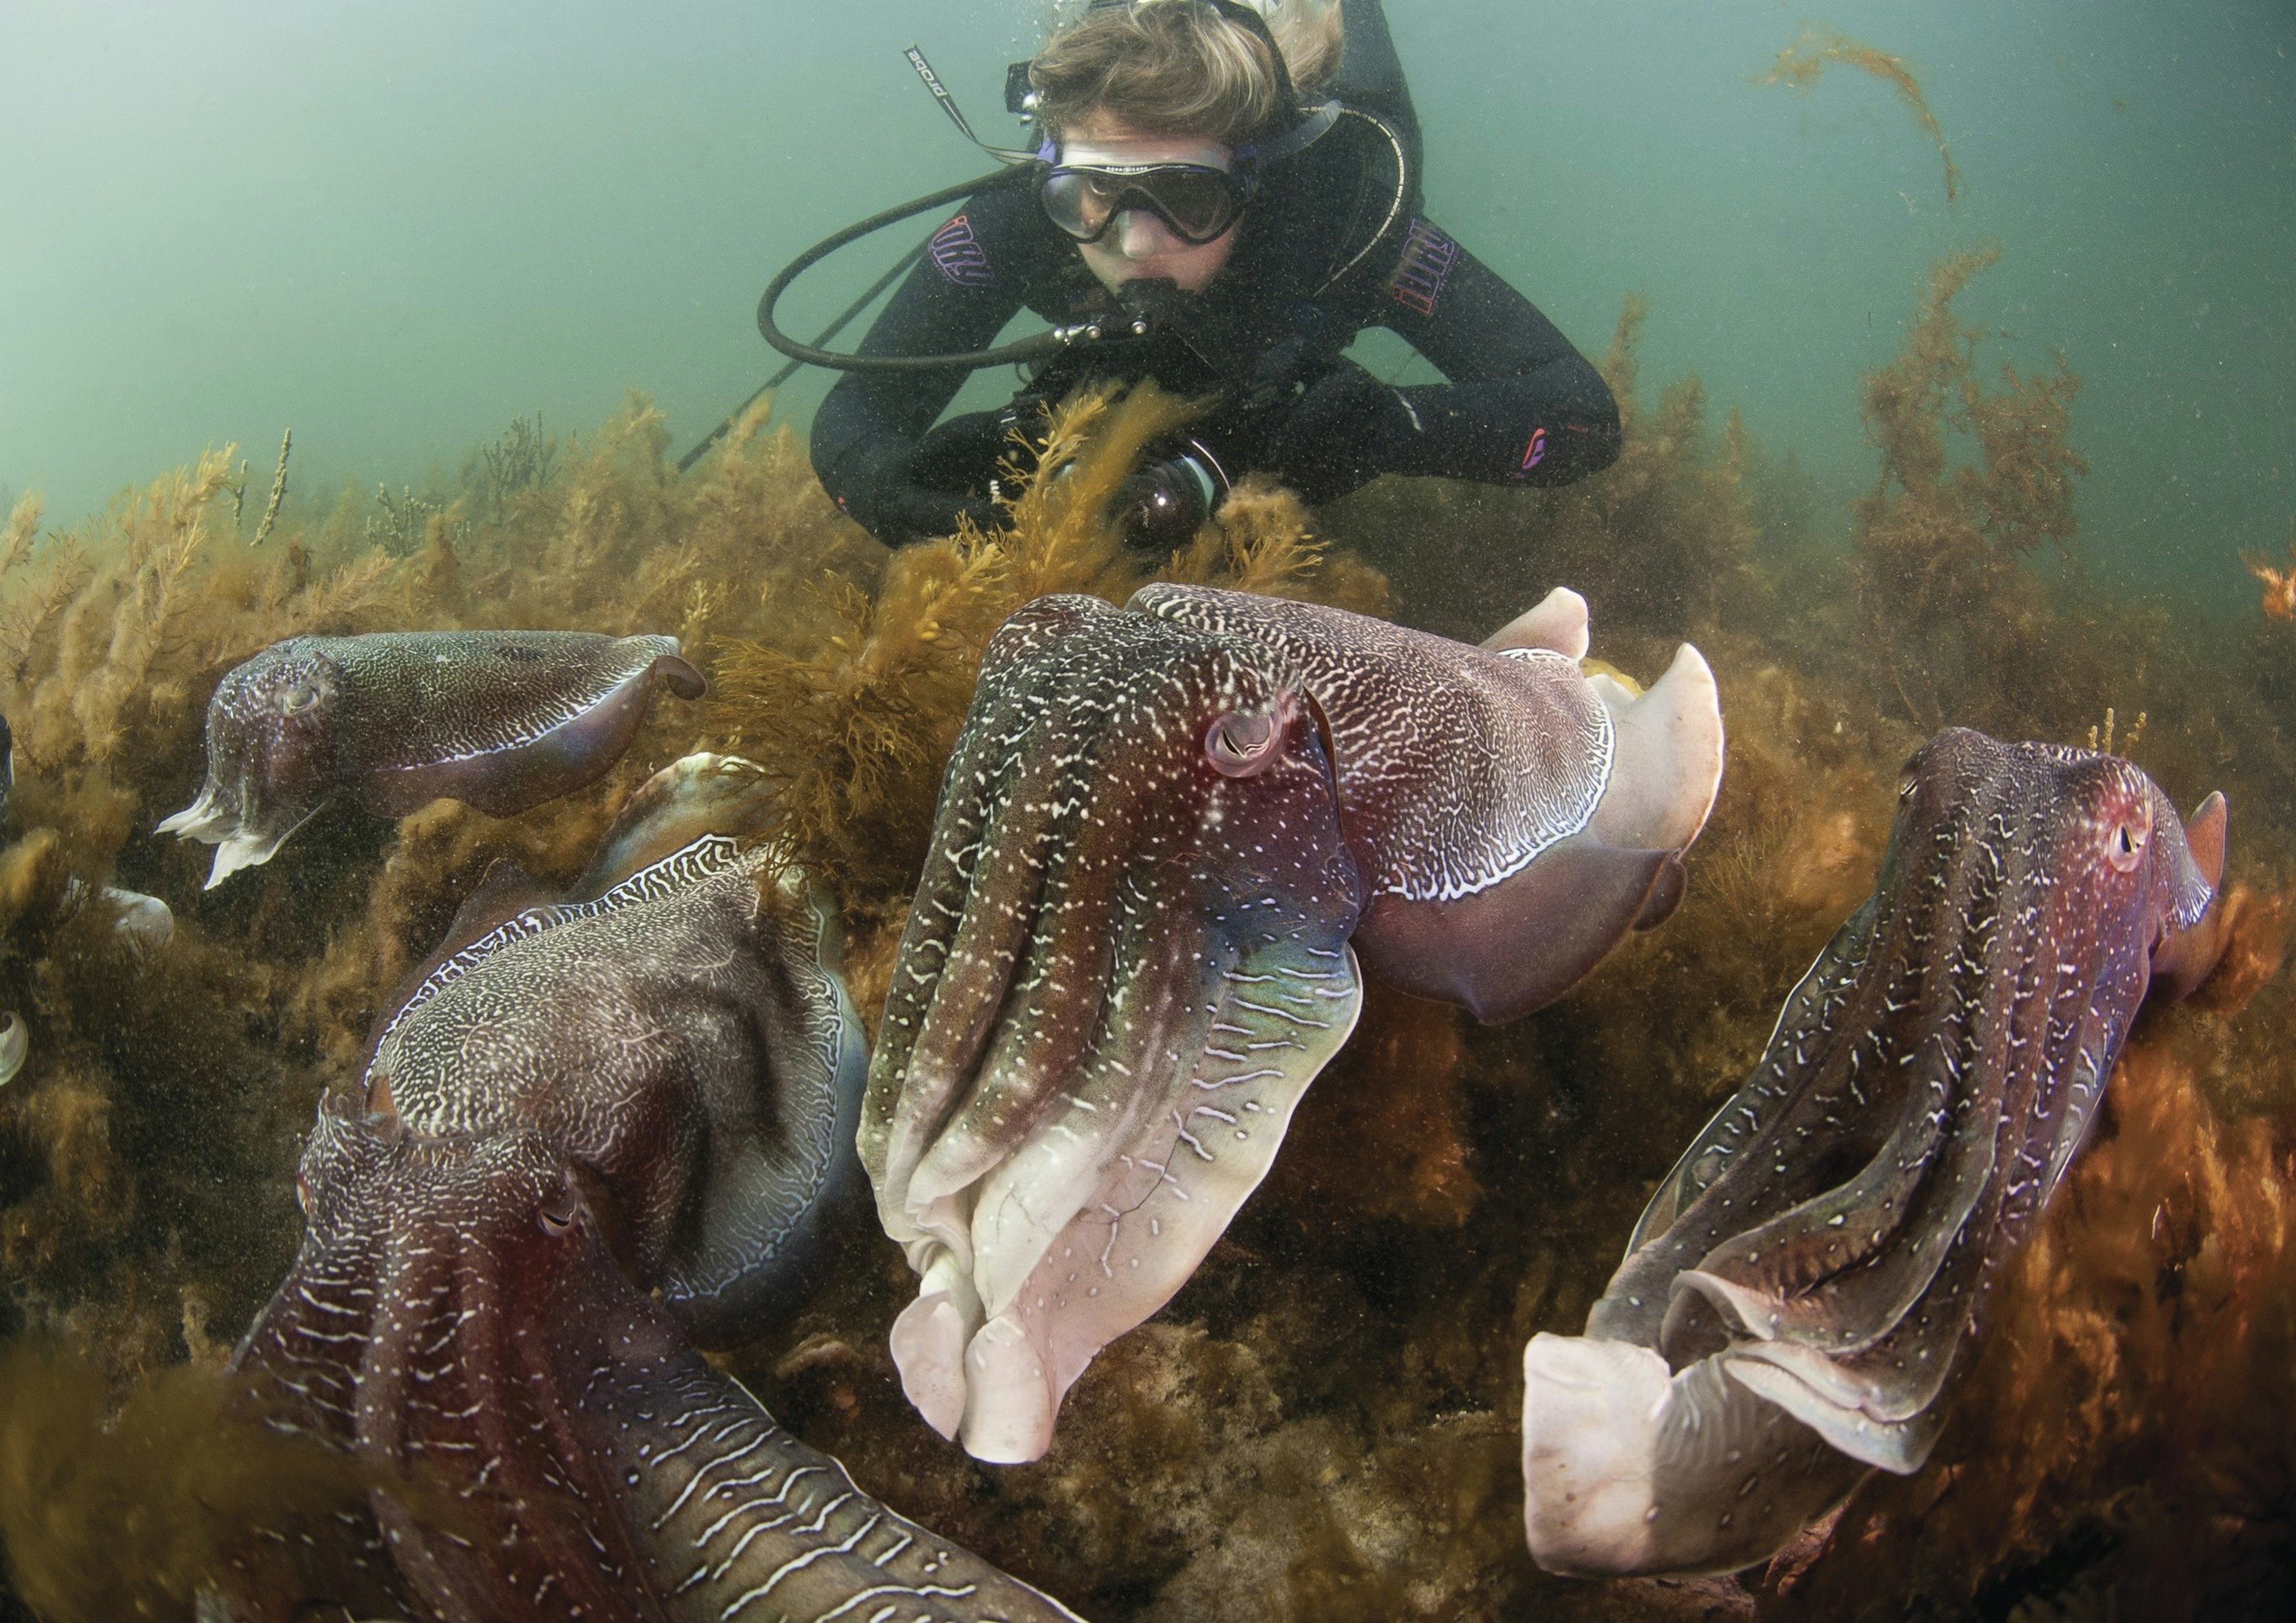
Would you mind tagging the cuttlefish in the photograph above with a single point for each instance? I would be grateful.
(676, 1026)
(1797, 1299)
(546, 1443)
(501, 720)
(1165, 836)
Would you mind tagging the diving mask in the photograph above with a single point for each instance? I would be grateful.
(1197, 202)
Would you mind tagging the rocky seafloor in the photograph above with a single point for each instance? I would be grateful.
(1323, 1424)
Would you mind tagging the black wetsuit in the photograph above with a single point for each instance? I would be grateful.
(1521, 405)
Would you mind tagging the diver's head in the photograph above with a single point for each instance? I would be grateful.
(1153, 109)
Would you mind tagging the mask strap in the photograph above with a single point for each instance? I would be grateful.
(1300, 136)
(1002, 154)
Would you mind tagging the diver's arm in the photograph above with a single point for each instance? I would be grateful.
(868, 428)
(1520, 406)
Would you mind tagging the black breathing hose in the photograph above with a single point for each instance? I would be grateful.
(725, 425)
(1032, 349)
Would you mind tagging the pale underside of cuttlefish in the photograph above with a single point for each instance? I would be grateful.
(501, 720)
(1165, 834)
(548, 1445)
(1799, 1298)
(676, 1027)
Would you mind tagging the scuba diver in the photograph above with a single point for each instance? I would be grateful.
(1195, 217)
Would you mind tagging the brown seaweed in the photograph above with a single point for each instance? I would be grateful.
(1350, 1352)
(1801, 63)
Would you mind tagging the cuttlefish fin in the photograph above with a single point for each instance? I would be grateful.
(679, 676)
(1558, 623)
(2186, 957)
(1522, 943)
(2204, 837)
(1519, 945)
(1668, 760)
(700, 794)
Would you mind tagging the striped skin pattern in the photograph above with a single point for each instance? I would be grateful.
(1458, 767)
(503, 720)
(1513, 819)
(1127, 959)
(455, 1317)
(1795, 1301)
(681, 1039)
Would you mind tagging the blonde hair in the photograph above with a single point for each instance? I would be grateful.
(1179, 68)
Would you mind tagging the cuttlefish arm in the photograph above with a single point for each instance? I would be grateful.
(455, 1318)
(1512, 817)
(1127, 959)
(1800, 1292)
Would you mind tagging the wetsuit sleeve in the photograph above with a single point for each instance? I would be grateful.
(1520, 405)
(957, 298)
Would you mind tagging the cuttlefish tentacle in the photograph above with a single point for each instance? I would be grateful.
(502, 720)
(455, 1317)
(1808, 1279)
(1127, 958)
(1513, 820)
(684, 1037)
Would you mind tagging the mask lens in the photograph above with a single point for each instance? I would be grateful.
(1080, 202)
(1198, 203)
(1195, 203)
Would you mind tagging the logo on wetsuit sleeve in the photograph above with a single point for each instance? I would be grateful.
(960, 256)
(1533, 454)
(1428, 255)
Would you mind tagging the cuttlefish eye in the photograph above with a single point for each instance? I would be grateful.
(1906, 783)
(558, 1213)
(300, 698)
(1241, 743)
(303, 1194)
(2124, 840)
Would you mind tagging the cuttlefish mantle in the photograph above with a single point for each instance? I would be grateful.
(1165, 835)
(501, 720)
(1511, 818)
(677, 1026)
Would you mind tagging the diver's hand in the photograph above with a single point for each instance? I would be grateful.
(961, 454)
(1329, 442)
(953, 472)
(1163, 506)
(919, 514)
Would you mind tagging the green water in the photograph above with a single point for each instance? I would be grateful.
(396, 227)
